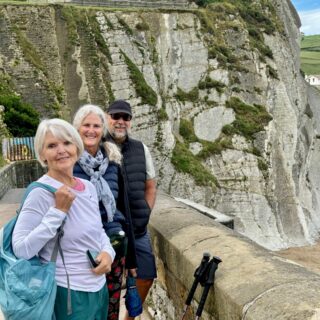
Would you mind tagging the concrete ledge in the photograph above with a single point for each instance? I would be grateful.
(211, 213)
(251, 282)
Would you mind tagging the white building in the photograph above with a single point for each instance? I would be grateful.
(314, 80)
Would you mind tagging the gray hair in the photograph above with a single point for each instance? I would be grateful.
(113, 152)
(111, 149)
(60, 129)
(84, 111)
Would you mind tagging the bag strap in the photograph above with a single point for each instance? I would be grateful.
(32, 186)
(57, 247)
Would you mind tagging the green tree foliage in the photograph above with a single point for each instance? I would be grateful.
(21, 119)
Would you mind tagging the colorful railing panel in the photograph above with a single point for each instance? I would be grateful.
(15, 149)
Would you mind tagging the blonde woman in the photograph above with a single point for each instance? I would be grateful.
(58, 147)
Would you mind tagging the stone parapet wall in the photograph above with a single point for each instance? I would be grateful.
(19, 174)
(7, 178)
(251, 283)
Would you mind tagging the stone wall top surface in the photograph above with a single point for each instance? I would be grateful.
(251, 282)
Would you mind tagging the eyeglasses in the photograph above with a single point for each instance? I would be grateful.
(124, 116)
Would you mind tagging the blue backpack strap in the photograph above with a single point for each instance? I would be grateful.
(7, 230)
(57, 248)
(32, 186)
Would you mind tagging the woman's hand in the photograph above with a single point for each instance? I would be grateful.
(64, 198)
(104, 261)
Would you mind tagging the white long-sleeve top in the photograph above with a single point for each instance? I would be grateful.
(37, 224)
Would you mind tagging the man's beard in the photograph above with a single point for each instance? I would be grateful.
(119, 135)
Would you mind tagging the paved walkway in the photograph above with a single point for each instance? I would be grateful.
(8, 206)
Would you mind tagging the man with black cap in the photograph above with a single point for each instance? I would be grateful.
(139, 175)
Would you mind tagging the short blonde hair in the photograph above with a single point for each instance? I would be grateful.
(60, 129)
(84, 111)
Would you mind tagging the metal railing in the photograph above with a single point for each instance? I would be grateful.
(170, 4)
(14, 149)
(174, 4)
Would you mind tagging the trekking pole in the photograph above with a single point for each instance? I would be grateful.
(198, 274)
(210, 272)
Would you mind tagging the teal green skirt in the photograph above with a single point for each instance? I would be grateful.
(85, 305)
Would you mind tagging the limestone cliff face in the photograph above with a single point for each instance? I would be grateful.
(217, 95)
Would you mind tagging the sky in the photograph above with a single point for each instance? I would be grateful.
(309, 12)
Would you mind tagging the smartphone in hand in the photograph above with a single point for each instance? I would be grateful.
(92, 255)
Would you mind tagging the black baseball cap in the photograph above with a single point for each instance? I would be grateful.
(119, 106)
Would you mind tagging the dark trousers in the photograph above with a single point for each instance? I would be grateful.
(114, 281)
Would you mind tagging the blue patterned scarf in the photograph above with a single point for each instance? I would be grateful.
(89, 163)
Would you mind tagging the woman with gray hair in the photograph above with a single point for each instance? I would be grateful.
(100, 163)
(58, 147)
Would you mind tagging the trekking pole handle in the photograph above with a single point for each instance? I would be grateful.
(197, 275)
(210, 280)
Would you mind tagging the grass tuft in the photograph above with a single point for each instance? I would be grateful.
(184, 161)
(147, 94)
(249, 119)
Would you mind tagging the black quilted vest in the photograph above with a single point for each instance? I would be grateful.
(134, 165)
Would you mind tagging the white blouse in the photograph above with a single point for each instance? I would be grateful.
(37, 225)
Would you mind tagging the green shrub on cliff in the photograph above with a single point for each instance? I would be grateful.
(209, 83)
(250, 119)
(30, 52)
(184, 161)
(147, 94)
(186, 130)
(258, 17)
(183, 96)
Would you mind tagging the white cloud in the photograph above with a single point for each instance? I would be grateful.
(310, 21)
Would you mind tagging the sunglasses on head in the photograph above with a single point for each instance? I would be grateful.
(124, 116)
